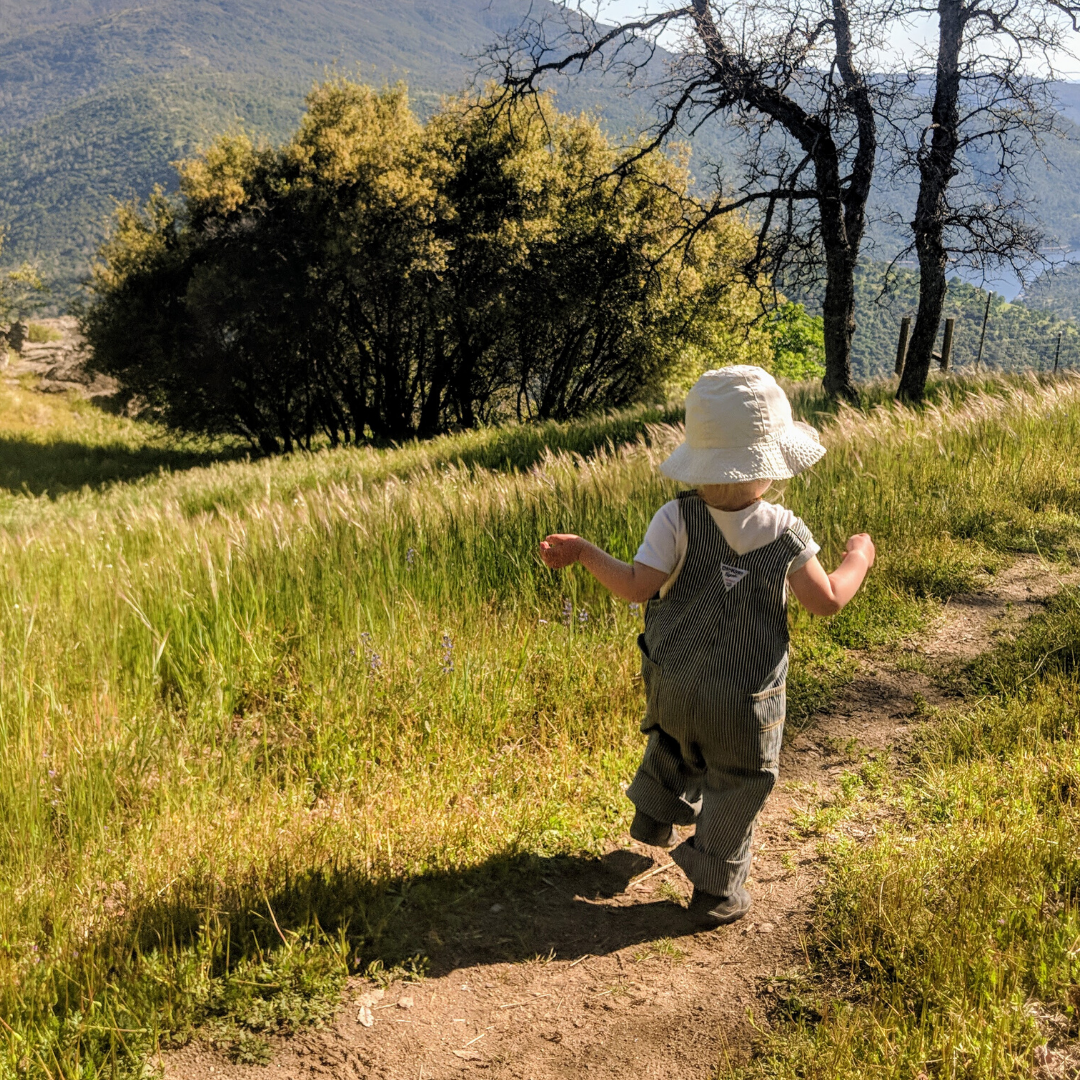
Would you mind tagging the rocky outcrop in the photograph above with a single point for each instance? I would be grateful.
(60, 365)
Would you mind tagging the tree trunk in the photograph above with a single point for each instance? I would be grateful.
(932, 285)
(431, 409)
(838, 315)
(838, 310)
(841, 202)
(847, 207)
(936, 170)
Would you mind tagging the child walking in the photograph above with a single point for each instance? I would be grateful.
(715, 567)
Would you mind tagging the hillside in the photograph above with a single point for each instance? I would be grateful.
(1018, 336)
(97, 97)
(1057, 291)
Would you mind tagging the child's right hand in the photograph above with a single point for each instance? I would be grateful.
(862, 544)
(560, 550)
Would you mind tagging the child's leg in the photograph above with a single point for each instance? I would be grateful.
(662, 780)
(717, 858)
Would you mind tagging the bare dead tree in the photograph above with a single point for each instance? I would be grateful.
(789, 75)
(990, 111)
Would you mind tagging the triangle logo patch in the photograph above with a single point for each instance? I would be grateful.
(732, 576)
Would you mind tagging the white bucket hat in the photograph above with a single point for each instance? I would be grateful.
(739, 427)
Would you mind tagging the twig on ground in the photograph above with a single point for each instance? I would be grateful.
(648, 874)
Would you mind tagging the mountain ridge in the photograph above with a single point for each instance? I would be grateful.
(98, 97)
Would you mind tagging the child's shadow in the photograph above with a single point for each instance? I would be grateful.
(572, 907)
(507, 909)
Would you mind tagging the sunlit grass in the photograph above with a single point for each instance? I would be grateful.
(952, 937)
(258, 719)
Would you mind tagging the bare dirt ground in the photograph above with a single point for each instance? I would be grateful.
(606, 977)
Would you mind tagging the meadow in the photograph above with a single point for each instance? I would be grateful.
(263, 721)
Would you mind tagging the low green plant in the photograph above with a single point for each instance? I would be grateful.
(661, 949)
(251, 1050)
(40, 334)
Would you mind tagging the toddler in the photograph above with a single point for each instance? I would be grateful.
(715, 566)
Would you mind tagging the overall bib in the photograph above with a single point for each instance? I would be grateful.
(714, 660)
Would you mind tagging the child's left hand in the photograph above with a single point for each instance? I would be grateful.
(560, 550)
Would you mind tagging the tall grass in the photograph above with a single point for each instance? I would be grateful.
(257, 719)
(952, 937)
(76, 458)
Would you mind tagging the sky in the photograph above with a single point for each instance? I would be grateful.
(917, 36)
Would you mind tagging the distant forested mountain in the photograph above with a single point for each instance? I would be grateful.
(98, 97)
(1057, 290)
(1017, 337)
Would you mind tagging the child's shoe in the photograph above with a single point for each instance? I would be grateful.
(707, 910)
(647, 830)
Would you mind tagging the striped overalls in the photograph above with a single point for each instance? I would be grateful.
(714, 660)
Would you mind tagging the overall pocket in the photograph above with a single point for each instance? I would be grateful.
(650, 676)
(770, 708)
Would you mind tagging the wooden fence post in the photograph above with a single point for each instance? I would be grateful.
(982, 337)
(901, 345)
(946, 344)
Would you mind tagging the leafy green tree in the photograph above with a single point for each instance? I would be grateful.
(21, 289)
(376, 279)
(798, 342)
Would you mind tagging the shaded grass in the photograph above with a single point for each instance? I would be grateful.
(56, 444)
(221, 689)
(84, 459)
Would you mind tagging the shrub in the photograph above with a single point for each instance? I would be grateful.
(39, 334)
(376, 279)
(798, 343)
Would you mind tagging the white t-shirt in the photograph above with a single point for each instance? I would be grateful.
(760, 523)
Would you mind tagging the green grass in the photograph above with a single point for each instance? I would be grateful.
(262, 723)
(77, 458)
(947, 946)
(40, 334)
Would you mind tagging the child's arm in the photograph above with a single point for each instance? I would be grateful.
(636, 583)
(826, 595)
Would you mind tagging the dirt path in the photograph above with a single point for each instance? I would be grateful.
(619, 987)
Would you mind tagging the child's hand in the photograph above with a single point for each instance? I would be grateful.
(561, 550)
(862, 544)
(823, 594)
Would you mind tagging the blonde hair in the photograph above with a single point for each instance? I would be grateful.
(734, 496)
